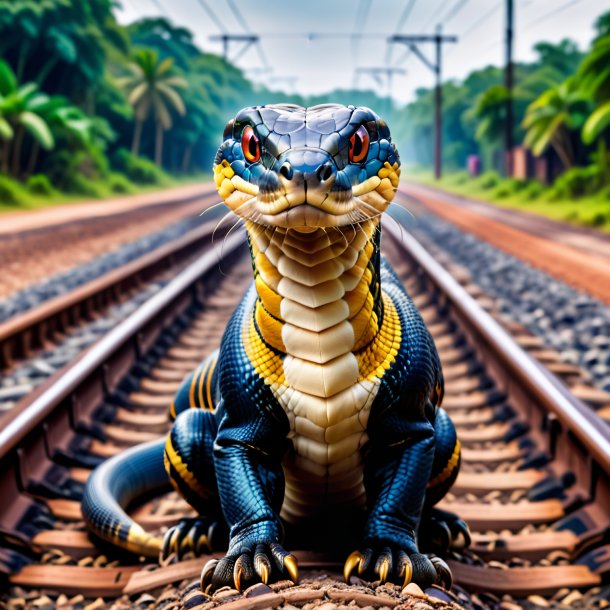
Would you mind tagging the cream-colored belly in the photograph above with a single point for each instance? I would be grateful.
(324, 468)
(318, 288)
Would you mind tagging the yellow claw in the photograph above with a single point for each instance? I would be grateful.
(237, 574)
(384, 569)
(207, 573)
(290, 563)
(264, 573)
(408, 573)
(202, 542)
(355, 559)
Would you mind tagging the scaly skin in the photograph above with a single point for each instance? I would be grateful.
(319, 418)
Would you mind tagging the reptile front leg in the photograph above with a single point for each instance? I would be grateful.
(247, 457)
(397, 471)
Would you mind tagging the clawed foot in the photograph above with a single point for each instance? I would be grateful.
(253, 563)
(442, 530)
(398, 566)
(190, 536)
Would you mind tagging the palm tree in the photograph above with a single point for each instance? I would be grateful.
(64, 119)
(21, 111)
(490, 111)
(595, 78)
(151, 90)
(555, 118)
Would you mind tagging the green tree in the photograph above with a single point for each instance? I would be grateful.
(152, 90)
(58, 44)
(70, 125)
(167, 39)
(490, 112)
(560, 58)
(555, 119)
(21, 108)
(602, 25)
(595, 77)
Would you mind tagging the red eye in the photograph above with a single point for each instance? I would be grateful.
(359, 145)
(250, 144)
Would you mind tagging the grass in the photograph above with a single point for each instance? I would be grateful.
(529, 196)
(15, 196)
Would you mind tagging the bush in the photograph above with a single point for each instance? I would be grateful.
(489, 180)
(137, 169)
(80, 185)
(577, 182)
(516, 185)
(120, 185)
(63, 165)
(598, 219)
(503, 191)
(533, 190)
(459, 178)
(11, 192)
(604, 194)
(39, 184)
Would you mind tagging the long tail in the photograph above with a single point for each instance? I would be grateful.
(117, 482)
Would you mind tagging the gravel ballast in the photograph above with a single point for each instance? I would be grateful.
(574, 323)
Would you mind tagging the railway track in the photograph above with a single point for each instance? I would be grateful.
(41, 244)
(32, 328)
(534, 485)
(579, 358)
(33, 343)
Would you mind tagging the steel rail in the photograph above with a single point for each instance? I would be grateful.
(27, 419)
(590, 429)
(35, 320)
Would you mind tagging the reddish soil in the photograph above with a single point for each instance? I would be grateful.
(38, 244)
(577, 256)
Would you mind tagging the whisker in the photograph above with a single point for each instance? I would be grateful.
(228, 215)
(211, 208)
(224, 241)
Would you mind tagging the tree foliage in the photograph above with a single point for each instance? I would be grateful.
(78, 91)
(555, 119)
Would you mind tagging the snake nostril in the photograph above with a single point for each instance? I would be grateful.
(286, 171)
(324, 172)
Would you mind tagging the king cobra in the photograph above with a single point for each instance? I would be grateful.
(317, 424)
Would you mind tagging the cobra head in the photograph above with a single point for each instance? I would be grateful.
(304, 168)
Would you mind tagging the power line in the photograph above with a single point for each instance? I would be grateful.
(313, 36)
(405, 15)
(240, 18)
(479, 22)
(362, 13)
(158, 4)
(550, 14)
(433, 18)
(219, 24)
(408, 51)
(454, 11)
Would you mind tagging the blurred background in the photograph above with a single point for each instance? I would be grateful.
(100, 97)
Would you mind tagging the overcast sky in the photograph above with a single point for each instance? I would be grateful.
(306, 63)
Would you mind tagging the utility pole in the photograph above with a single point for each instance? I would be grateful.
(227, 39)
(509, 83)
(438, 108)
(436, 67)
